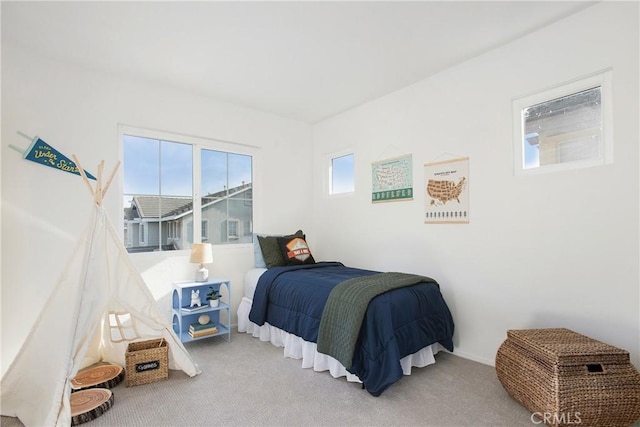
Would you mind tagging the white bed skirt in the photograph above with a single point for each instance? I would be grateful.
(297, 348)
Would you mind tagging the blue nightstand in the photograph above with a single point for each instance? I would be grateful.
(186, 319)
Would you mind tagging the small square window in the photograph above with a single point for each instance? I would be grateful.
(342, 176)
(564, 128)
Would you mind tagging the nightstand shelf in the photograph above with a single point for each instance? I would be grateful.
(184, 318)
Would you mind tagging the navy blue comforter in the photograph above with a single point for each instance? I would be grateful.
(397, 323)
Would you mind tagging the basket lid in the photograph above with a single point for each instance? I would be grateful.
(566, 347)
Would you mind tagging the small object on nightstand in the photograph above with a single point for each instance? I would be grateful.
(195, 298)
(213, 297)
(202, 253)
(198, 331)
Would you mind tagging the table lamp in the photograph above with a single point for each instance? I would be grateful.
(201, 253)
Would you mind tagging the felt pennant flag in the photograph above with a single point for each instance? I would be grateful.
(41, 152)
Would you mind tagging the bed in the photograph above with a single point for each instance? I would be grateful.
(400, 328)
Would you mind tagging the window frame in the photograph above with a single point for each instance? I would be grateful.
(602, 79)
(198, 143)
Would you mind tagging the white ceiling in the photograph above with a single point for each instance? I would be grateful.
(298, 59)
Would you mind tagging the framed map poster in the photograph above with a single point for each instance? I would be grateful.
(392, 180)
(446, 186)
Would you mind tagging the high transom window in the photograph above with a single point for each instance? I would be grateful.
(342, 174)
(564, 128)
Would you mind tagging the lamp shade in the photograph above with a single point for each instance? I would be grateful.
(201, 253)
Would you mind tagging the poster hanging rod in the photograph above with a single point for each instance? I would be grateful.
(390, 148)
(448, 156)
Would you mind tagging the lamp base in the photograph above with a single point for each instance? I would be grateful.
(202, 274)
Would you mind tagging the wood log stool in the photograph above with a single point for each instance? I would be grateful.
(98, 375)
(89, 404)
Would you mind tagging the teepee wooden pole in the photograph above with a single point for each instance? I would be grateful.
(98, 194)
(108, 183)
(84, 175)
(100, 190)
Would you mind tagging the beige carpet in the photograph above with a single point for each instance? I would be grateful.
(249, 383)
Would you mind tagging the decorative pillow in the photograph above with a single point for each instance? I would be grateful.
(295, 250)
(257, 253)
(271, 250)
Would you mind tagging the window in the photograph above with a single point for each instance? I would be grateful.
(227, 183)
(141, 234)
(232, 229)
(122, 327)
(342, 176)
(205, 231)
(174, 231)
(177, 188)
(564, 128)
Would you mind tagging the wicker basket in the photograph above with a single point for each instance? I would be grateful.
(566, 378)
(147, 362)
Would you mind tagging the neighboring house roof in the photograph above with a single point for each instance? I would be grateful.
(154, 206)
(131, 213)
(149, 206)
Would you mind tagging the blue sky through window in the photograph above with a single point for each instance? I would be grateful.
(342, 174)
(531, 155)
(157, 167)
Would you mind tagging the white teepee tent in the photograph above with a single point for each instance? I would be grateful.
(98, 306)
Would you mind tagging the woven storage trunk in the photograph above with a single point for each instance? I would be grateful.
(566, 378)
(147, 362)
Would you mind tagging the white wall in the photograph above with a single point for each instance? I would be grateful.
(555, 250)
(543, 251)
(77, 111)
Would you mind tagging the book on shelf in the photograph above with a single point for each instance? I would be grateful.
(203, 333)
(195, 308)
(199, 327)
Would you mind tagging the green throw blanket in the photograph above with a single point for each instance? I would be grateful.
(345, 309)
